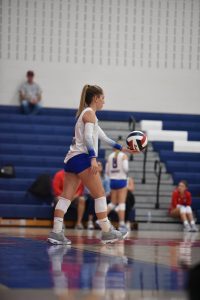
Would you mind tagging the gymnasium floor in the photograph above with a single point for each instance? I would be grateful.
(147, 265)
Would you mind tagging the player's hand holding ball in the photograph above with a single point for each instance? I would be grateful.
(136, 141)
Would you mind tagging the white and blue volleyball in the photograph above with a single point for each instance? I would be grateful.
(137, 140)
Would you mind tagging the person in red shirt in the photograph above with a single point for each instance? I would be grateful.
(58, 183)
(181, 206)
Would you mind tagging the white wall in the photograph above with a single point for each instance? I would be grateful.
(144, 53)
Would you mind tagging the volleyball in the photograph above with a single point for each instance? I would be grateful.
(137, 140)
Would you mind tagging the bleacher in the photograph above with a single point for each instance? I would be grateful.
(34, 145)
(178, 145)
(37, 144)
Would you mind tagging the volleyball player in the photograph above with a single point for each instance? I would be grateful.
(81, 164)
(117, 170)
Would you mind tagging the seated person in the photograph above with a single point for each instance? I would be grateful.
(181, 206)
(130, 202)
(58, 183)
(30, 95)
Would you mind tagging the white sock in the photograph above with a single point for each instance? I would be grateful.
(121, 223)
(57, 225)
(104, 224)
(185, 222)
(192, 222)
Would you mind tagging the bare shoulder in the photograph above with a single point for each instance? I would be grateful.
(89, 116)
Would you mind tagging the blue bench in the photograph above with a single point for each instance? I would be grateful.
(196, 203)
(38, 139)
(180, 166)
(109, 115)
(158, 146)
(166, 155)
(26, 211)
(23, 149)
(36, 128)
(36, 119)
(19, 197)
(185, 126)
(190, 177)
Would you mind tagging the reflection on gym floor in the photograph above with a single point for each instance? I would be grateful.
(147, 264)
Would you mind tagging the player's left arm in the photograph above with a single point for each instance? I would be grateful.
(112, 143)
(109, 141)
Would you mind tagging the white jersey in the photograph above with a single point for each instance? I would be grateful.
(115, 166)
(78, 145)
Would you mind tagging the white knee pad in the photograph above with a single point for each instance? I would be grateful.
(111, 206)
(122, 206)
(188, 210)
(182, 209)
(100, 205)
(63, 204)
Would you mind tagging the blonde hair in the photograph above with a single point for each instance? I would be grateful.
(88, 92)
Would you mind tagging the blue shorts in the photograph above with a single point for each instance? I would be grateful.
(116, 184)
(78, 163)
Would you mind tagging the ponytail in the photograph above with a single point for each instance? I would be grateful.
(82, 104)
(88, 92)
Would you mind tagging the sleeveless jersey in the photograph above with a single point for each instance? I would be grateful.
(78, 145)
(115, 168)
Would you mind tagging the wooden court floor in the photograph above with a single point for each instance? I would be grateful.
(147, 265)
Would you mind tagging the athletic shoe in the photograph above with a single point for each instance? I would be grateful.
(79, 226)
(123, 228)
(194, 228)
(112, 236)
(58, 238)
(90, 225)
(186, 228)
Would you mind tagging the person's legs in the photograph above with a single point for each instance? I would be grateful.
(80, 212)
(113, 202)
(25, 107)
(190, 218)
(175, 213)
(129, 212)
(71, 182)
(36, 108)
(91, 212)
(94, 184)
(121, 198)
(183, 216)
(180, 212)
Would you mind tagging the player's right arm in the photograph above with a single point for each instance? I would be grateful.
(125, 163)
(89, 119)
